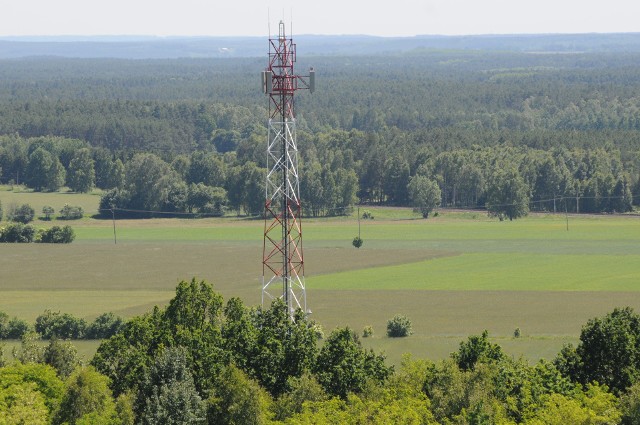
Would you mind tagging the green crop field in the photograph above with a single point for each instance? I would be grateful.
(452, 275)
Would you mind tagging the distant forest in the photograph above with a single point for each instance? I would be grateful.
(565, 127)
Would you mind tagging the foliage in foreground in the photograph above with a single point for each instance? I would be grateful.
(265, 343)
(201, 361)
(229, 350)
(608, 351)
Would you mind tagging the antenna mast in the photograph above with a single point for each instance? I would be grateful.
(282, 257)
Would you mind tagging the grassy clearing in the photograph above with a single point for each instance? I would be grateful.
(18, 195)
(453, 275)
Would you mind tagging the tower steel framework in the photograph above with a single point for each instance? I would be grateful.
(282, 258)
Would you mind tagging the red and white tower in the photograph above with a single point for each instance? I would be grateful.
(282, 257)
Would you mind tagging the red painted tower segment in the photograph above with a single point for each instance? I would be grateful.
(282, 258)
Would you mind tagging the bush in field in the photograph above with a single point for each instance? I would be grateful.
(48, 211)
(22, 214)
(17, 328)
(4, 324)
(105, 326)
(12, 328)
(399, 326)
(367, 215)
(71, 212)
(357, 242)
(56, 325)
(367, 331)
(17, 233)
(56, 234)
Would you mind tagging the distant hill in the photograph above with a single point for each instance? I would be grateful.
(136, 47)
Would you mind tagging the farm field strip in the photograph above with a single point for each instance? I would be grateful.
(441, 319)
(453, 275)
(87, 304)
(493, 271)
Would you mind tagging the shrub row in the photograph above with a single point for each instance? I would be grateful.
(53, 324)
(12, 328)
(25, 213)
(26, 233)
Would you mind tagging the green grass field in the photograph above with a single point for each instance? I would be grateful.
(18, 195)
(452, 275)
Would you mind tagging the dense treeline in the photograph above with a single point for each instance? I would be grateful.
(501, 129)
(340, 168)
(203, 360)
(422, 90)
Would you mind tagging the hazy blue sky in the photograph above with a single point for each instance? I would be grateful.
(374, 17)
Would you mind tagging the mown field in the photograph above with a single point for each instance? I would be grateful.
(452, 275)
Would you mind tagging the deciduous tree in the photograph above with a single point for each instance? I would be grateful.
(167, 394)
(87, 394)
(238, 400)
(344, 366)
(424, 194)
(81, 176)
(608, 352)
(507, 194)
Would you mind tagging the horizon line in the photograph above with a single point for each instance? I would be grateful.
(35, 37)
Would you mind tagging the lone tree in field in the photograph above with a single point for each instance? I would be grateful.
(508, 195)
(424, 194)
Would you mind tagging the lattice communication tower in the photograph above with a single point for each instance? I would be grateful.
(282, 256)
